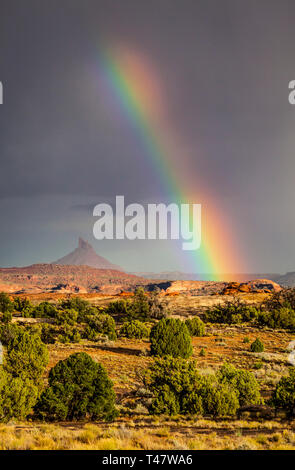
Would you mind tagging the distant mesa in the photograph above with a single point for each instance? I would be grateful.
(85, 255)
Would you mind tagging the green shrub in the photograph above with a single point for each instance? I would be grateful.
(119, 307)
(231, 312)
(8, 332)
(23, 306)
(48, 334)
(257, 365)
(171, 381)
(202, 352)
(83, 307)
(6, 305)
(103, 324)
(27, 356)
(257, 346)
(79, 388)
(284, 298)
(17, 397)
(283, 317)
(178, 388)
(170, 337)
(243, 382)
(219, 399)
(195, 326)
(135, 329)
(90, 334)
(6, 317)
(44, 310)
(141, 307)
(246, 340)
(284, 394)
(69, 334)
(66, 317)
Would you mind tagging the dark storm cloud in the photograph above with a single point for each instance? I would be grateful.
(225, 66)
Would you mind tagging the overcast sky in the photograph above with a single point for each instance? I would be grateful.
(225, 66)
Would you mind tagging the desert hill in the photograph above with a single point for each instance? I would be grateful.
(85, 255)
(59, 278)
(56, 278)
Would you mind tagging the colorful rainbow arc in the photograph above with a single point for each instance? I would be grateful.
(218, 253)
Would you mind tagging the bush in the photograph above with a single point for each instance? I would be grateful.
(5, 303)
(135, 329)
(6, 317)
(243, 382)
(141, 307)
(219, 399)
(234, 312)
(90, 334)
(79, 388)
(177, 387)
(158, 305)
(103, 324)
(48, 334)
(170, 337)
(284, 298)
(283, 317)
(17, 396)
(45, 310)
(284, 394)
(66, 317)
(23, 306)
(27, 356)
(81, 306)
(171, 381)
(195, 326)
(8, 333)
(119, 307)
(69, 335)
(257, 346)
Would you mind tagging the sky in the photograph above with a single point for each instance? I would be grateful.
(222, 68)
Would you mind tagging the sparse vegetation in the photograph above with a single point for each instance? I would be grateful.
(199, 392)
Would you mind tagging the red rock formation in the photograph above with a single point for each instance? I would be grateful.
(84, 255)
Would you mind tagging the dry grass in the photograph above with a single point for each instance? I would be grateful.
(146, 435)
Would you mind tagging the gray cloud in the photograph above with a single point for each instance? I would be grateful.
(225, 66)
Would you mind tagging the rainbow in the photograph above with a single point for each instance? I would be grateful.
(132, 82)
